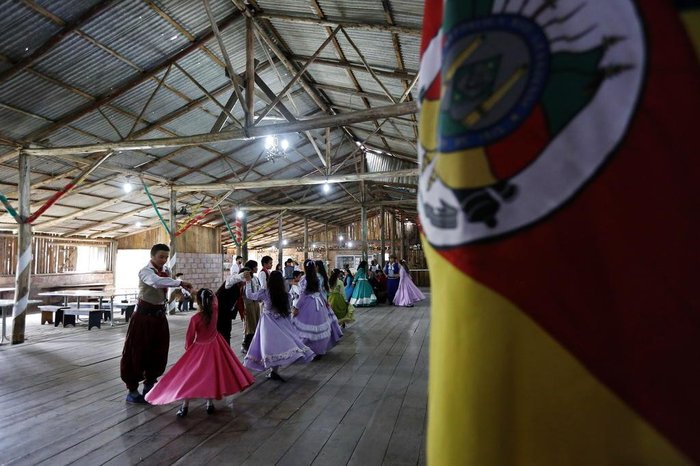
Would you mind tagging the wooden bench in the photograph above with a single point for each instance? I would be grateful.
(47, 313)
(127, 309)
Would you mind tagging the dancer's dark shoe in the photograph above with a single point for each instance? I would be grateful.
(273, 375)
(182, 412)
(210, 408)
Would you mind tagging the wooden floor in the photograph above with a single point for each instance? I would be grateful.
(62, 402)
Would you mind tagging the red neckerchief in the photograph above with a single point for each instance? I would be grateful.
(159, 271)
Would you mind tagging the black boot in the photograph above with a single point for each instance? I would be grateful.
(246, 343)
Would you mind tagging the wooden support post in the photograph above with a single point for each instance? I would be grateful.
(24, 252)
(173, 229)
(404, 246)
(363, 227)
(393, 233)
(280, 239)
(382, 237)
(306, 238)
(244, 238)
(327, 245)
(249, 71)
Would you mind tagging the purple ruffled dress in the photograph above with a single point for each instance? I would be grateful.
(407, 294)
(276, 342)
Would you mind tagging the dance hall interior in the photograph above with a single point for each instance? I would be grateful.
(220, 129)
(349, 232)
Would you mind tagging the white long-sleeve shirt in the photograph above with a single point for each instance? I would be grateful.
(233, 279)
(262, 279)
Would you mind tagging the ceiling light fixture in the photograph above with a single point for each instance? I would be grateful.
(274, 148)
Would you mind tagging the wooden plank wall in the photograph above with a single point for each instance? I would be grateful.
(51, 254)
(195, 239)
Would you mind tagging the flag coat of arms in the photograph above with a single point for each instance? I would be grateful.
(558, 153)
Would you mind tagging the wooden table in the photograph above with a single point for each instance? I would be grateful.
(8, 303)
(108, 295)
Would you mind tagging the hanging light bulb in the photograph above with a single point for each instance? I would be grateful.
(239, 214)
(349, 244)
(341, 238)
(313, 246)
(269, 142)
(137, 224)
(326, 188)
(127, 186)
(285, 242)
(285, 144)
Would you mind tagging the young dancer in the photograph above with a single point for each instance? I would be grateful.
(343, 311)
(311, 312)
(207, 369)
(408, 294)
(362, 295)
(145, 352)
(228, 296)
(323, 277)
(336, 332)
(276, 342)
(294, 290)
(252, 308)
(348, 282)
(391, 270)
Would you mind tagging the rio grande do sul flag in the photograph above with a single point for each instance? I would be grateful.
(559, 155)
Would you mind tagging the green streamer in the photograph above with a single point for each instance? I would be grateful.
(9, 208)
(228, 227)
(153, 203)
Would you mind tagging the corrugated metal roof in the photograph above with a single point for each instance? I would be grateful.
(67, 10)
(23, 30)
(33, 94)
(142, 39)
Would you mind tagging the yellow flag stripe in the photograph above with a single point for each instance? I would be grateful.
(503, 392)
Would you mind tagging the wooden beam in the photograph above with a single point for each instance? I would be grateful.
(397, 74)
(369, 68)
(348, 178)
(207, 138)
(229, 66)
(249, 71)
(367, 26)
(296, 77)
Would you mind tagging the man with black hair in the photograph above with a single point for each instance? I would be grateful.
(228, 296)
(236, 265)
(252, 308)
(145, 353)
(264, 274)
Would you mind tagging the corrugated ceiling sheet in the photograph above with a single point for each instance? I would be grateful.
(136, 32)
(15, 125)
(80, 64)
(305, 39)
(191, 14)
(23, 30)
(67, 10)
(35, 95)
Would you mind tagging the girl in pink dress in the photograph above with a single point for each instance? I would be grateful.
(208, 368)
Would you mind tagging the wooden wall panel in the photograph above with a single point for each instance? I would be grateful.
(195, 239)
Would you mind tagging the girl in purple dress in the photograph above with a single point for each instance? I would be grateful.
(276, 342)
(407, 294)
(310, 315)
